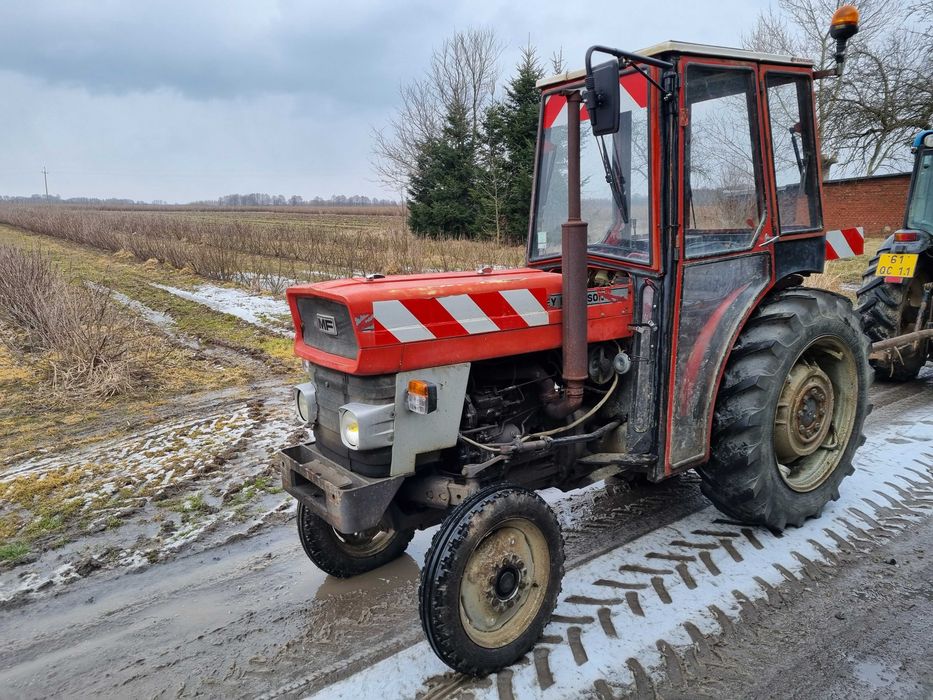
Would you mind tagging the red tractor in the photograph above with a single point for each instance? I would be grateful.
(661, 324)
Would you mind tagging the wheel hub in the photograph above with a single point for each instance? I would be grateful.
(503, 582)
(807, 403)
(506, 582)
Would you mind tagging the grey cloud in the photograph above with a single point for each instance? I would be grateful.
(210, 50)
(164, 99)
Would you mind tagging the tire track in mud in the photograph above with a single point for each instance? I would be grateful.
(269, 641)
(175, 414)
(610, 521)
(669, 603)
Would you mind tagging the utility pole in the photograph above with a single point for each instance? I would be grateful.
(45, 176)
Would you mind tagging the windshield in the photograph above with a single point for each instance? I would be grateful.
(920, 208)
(609, 233)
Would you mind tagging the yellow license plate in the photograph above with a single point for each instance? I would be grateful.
(891, 265)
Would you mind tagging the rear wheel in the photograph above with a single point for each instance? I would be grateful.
(345, 555)
(491, 579)
(790, 410)
(887, 311)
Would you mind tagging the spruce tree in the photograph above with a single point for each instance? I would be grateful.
(509, 150)
(442, 191)
(521, 116)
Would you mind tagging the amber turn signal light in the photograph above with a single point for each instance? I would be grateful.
(422, 397)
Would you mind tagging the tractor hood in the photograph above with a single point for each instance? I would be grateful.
(395, 323)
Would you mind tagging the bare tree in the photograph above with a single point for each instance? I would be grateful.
(396, 146)
(892, 103)
(558, 65)
(865, 117)
(464, 70)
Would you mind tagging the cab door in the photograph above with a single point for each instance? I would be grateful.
(724, 262)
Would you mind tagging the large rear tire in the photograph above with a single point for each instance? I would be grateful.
(789, 411)
(491, 579)
(887, 311)
(346, 555)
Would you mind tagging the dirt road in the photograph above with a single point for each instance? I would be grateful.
(254, 617)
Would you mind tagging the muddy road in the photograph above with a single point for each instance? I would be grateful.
(253, 617)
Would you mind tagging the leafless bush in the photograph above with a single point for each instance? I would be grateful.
(74, 334)
(271, 250)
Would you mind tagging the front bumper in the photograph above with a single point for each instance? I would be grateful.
(347, 501)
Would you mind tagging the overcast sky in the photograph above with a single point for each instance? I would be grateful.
(185, 100)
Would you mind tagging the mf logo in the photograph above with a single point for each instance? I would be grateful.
(326, 324)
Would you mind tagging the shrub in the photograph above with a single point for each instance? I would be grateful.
(76, 335)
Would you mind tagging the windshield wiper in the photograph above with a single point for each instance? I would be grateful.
(615, 179)
(801, 168)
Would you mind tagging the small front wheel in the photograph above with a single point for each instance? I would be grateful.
(345, 555)
(491, 579)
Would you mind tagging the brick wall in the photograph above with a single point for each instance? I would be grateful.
(875, 203)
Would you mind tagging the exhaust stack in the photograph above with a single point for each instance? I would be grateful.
(573, 270)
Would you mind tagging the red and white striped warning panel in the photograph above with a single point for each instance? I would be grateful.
(633, 97)
(411, 320)
(845, 243)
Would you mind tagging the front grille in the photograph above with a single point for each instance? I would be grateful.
(326, 325)
(334, 389)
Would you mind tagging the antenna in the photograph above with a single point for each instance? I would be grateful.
(45, 176)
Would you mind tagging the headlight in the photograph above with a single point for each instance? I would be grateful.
(928, 140)
(350, 430)
(365, 427)
(306, 402)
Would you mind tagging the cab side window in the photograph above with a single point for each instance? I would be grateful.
(794, 148)
(724, 202)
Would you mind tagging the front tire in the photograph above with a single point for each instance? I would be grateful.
(346, 555)
(790, 410)
(491, 579)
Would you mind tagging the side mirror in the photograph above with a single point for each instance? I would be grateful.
(602, 97)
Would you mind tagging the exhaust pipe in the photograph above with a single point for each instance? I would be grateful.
(573, 271)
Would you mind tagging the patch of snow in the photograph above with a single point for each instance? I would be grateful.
(262, 311)
(134, 560)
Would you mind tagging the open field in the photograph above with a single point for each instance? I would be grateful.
(266, 250)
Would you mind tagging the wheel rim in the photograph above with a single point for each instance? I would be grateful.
(815, 413)
(504, 583)
(366, 543)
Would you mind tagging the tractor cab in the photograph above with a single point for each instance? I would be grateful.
(703, 195)
(920, 199)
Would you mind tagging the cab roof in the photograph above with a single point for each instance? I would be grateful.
(684, 47)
